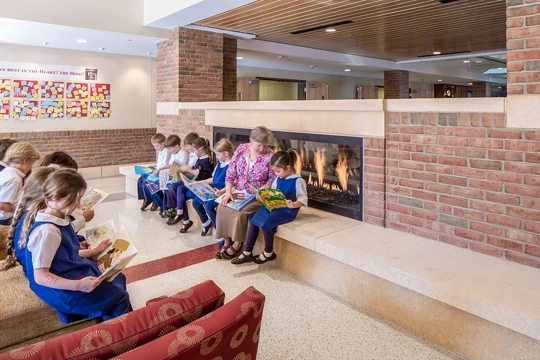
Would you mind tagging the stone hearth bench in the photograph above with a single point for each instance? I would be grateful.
(131, 188)
(476, 305)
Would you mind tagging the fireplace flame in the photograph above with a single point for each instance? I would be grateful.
(320, 163)
(310, 181)
(341, 171)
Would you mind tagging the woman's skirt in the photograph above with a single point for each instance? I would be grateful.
(234, 224)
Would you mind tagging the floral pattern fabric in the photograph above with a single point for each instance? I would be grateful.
(239, 174)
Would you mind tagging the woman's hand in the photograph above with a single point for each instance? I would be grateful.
(88, 284)
(226, 198)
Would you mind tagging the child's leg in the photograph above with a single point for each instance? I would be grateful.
(181, 198)
(268, 242)
(140, 188)
(211, 210)
(169, 200)
(123, 306)
(199, 208)
(157, 198)
(246, 256)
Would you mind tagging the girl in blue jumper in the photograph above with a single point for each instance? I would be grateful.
(56, 272)
(202, 170)
(295, 190)
(223, 150)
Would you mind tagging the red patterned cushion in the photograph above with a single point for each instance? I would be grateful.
(124, 333)
(229, 333)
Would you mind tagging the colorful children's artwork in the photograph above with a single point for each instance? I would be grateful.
(77, 91)
(76, 109)
(4, 109)
(100, 91)
(92, 198)
(95, 235)
(100, 109)
(26, 110)
(202, 190)
(5, 88)
(51, 109)
(52, 89)
(28, 89)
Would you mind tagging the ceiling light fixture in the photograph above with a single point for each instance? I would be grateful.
(239, 58)
(347, 69)
(45, 43)
(466, 61)
(436, 53)
(439, 80)
(330, 30)
(81, 41)
(470, 83)
(148, 53)
(478, 61)
(327, 26)
(101, 49)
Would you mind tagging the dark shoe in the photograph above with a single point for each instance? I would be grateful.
(206, 229)
(225, 254)
(175, 220)
(185, 227)
(161, 212)
(218, 255)
(145, 205)
(154, 207)
(243, 258)
(271, 258)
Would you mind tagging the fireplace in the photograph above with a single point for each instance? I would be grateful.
(331, 166)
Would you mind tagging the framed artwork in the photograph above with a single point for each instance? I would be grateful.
(77, 91)
(76, 109)
(28, 89)
(4, 109)
(100, 109)
(100, 91)
(51, 109)
(5, 88)
(52, 89)
(26, 110)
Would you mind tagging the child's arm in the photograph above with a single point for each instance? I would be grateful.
(45, 278)
(88, 253)
(8, 207)
(301, 195)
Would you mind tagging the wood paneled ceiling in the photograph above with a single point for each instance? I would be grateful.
(384, 29)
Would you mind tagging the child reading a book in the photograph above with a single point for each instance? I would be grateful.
(162, 163)
(19, 157)
(294, 188)
(4, 145)
(223, 150)
(57, 274)
(185, 157)
(202, 170)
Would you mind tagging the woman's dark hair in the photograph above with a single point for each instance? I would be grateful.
(59, 158)
(284, 158)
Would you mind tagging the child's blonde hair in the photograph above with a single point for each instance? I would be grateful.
(158, 138)
(18, 152)
(224, 145)
(61, 184)
(31, 192)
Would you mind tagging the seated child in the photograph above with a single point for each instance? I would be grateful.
(223, 150)
(295, 190)
(202, 170)
(181, 156)
(56, 272)
(58, 159)
(19, 157)
(162, 163)
(4, 145)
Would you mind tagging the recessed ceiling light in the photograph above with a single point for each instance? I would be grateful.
(280, 57)
(101, 49)
(148, 53)
(466, 61)
(81, 41)
(500, 87)
(470, 83)
(45, 43)
(347, 69)
(499, 68)
(239, 58)
(478, 61)
(330, 30)
(439, 80)
(128, 39)
(436, 53)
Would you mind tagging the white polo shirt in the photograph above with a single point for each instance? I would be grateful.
(11, 184)
(162, 156)
(45, 240)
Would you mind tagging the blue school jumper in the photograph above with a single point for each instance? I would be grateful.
(108, 300)
(269, 221)
(209, 208)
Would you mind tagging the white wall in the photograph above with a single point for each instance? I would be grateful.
(133, 88)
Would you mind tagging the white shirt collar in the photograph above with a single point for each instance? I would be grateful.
(224, 163)
(203, 157)
(15, 171)
(3, 164)
(293, 176)
(41, 216)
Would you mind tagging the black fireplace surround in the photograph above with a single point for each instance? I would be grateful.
(331, 166)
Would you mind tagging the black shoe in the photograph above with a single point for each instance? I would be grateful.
(145, 205)
(160, 212)
(175, 220)
(206, 229)
(186, 227)
(154, 207)
(243, 259)
(265, 259)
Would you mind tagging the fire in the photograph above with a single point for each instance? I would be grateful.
(341, 171)
(320, 163)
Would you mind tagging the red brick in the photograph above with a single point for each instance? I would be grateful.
(438, 207)
(423, 176)
(397, 226)
(486, 164)
(532, 226)
(505, 155)
(399, 190)
(468, 132)
(522, 213)
(485, 185)
(530, 146)
(411, 183)
(374, 220)
(399, 155)
(424, 139)
(424, 195)
(413, 165)
(452, 240)
(515, 89)
(399, 137)
(515, 22)
(532, 134)
(485, 228)
(468, 214)
(375, 162)
(437, 226)
(485, 249)
(504, 177)
(522, 168)
(470, 173)
(452, 200)
(532, 250)
(439, 188)
(424, 214)
(411, 147)
(374, 186)
(529, 191)
(504, 221)
(452, 160)
(468, 152)
(522, 236)
(434, 149)
(452, 180)
(531, 203)
(411, 129)
(398, 208)
(531, 180)
(469, 193)
(374, 211)
(523, 259)
(505, 244)
(467, 234)
(440, 169)
(399, 172)
(486, 143)
(410, 220)
(453, 141)
(502, 198)
(438, 130)
(425, 158)
(425, 233)
(532, 158)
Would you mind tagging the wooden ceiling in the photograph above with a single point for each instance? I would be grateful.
(384, 29)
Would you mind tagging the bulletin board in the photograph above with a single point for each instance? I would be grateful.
(5, 88)
(28, 89)
(77, 91)
(52, 89)
(76, 109)
(25, 110)
(50, 109)
(100, 109)
(4, 109)
(100, 91)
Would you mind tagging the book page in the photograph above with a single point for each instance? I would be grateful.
(92, 198)
(163, 179)
(143, 169)
(117, 256)
(202, 190)
(272, 199)
(97, 234)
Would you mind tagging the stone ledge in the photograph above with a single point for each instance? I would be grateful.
(490, 288)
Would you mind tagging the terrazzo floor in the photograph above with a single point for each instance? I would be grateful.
(299, 321)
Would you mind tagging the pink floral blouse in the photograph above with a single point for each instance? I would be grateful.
(238, 174)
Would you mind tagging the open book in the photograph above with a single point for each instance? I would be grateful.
(117, 256)
(92, 198)
(143, 169)
(239, 201)
(271, 199)
(176, 171)
(95, 235)
(201, 189)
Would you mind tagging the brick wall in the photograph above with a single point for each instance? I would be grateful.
(396, 84)
(188, 120)
(374, 180)
(480, 89)
(466, 180)
(523, 44)
(229, 69)
(94, 147)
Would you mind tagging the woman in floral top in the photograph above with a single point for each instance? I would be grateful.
(250, 165)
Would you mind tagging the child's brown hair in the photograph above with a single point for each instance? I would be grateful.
(203, 143)
(159, 138)
(59, 158)
(284, 158)
(31, 192)
(190, 138)
(4, 145)
(224, 145)
(18, 152)
(172, 141)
